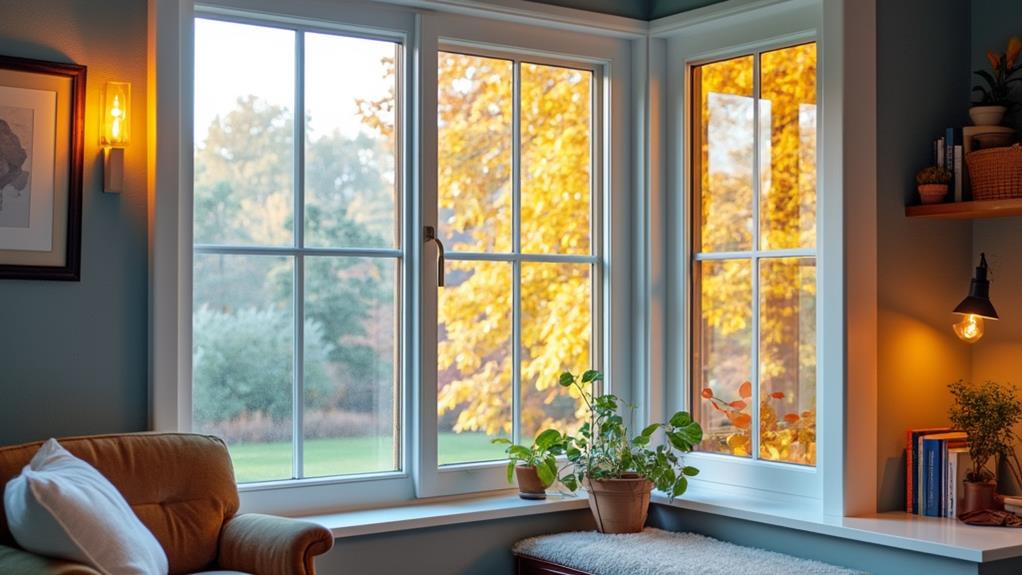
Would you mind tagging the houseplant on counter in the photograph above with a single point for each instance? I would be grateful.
(932, 184)
(987, 413)
(535, 466)
(994, 96)
(620, 471)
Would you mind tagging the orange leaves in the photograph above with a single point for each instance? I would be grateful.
(995, 59)
(792, 418)
(777, 395)
(740, 420)
(745, 390)
(738, 404)
(707, 393)
(1014, 47)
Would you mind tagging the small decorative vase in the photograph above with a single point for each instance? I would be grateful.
(529, 484)
(979, 496)
(932, 193)
(987, 115)
(619, 505)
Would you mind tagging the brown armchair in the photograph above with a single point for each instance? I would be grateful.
(182, 488)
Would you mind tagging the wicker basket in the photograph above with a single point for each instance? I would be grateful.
(996, 173)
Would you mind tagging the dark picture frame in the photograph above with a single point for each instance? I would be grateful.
(41, 103)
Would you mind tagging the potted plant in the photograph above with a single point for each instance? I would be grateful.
(986, 413)
(535, 466)
(994, 95)
(932, 184)
(620, 471)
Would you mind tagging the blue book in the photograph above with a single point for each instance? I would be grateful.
(934, 477)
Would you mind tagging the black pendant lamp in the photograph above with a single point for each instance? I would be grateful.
(976, 307)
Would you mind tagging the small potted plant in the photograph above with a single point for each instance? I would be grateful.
(932, 183)
(986, 413)
(620, 471)
(994, 95)
(535, 466)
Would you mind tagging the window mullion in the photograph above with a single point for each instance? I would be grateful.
(516, 250)
(756, 246)
(298, 146)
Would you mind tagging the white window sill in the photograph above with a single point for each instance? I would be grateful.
(442, 511)
(930, 535)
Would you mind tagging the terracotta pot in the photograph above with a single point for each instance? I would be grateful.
(619, 505)
(529, 484)
(979, 496)
(987, 115)
(932, 193)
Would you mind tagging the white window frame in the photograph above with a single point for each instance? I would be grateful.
(171, 29)
(705, 37)
(465, 34)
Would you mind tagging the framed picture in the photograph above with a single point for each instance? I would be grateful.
(42, 117)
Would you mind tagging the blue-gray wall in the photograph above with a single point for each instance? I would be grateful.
(993, 23)
(922, 88)
(73, 355)
(640, 9)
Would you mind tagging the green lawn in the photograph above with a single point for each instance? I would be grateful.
(269, 461)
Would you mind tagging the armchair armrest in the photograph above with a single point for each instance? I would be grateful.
(20, 562)
(269, 545)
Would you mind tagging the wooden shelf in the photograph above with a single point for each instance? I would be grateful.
(967, 210)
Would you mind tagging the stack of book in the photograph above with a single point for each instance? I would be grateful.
(1013, 505)
(936, 461)
(948, 155)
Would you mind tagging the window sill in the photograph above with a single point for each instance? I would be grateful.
(930, 535)
(442, 511)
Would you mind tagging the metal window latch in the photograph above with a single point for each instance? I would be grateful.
(429, 235)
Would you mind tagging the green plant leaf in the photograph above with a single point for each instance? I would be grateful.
(591, 375)
(649, 429)
(547, 438)
(570, 481)
(640, 440)
(520, 452)
(546, 475)
(566, 379)
(681, 419)
(501, 441)
(510, 471)
(679, 487)
(690, 471)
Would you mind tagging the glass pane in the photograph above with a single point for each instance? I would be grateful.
(787, 116)
(244, 108)
(350, 144)
(351, 393)
(556, 132)
(243, 359)
(724, 159)
(723, 356)
(788, 360)
(474, 361)
(556, 336)
(474, 113)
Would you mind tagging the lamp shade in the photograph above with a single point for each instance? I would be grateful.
(978, 301)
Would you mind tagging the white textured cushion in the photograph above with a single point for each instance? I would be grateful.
(60, 506)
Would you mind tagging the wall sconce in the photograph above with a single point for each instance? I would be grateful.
(116, 127)
(976, 306)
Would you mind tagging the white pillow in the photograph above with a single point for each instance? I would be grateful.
(60, 506)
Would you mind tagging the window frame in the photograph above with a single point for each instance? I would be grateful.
(465, 34)
(609, 45)
(730, 35)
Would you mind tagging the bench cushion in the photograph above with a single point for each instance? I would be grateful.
(656, 552)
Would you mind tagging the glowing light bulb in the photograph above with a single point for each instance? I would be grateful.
(970, 329)
(116, 114)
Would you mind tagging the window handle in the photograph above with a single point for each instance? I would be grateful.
(429, 233)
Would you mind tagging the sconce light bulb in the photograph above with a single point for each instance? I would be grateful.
(970, 329)
(116, 113)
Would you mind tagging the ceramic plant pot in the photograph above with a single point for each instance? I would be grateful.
(529, 484)
(932, 193)
(979, 496)
(619, 505)
(987, 115)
